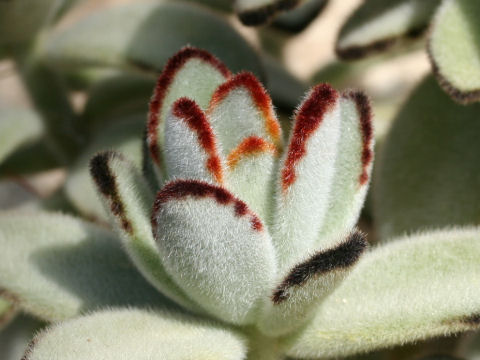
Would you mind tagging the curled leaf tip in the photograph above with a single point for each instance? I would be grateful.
(180, 189)
(106, 184)
(340, 257)
(163, 83)
(194, 117)
(321, 99)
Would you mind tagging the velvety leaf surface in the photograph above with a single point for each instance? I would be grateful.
(410, 289)
(214, 247)
(376, 25)
(56, 266)
(454, 48)
(17, 127)
(136, 334)
(427, 171)
(145, 34)
(123, 135)
(129, 200)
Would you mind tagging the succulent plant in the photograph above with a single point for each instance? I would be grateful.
(249, 247)
(452, 38)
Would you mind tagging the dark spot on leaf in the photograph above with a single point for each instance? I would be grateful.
(340, 257)
(263, 14)
(107, 186)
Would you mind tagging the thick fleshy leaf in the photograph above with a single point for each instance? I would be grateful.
(299, 293)
(128, 200)
(258, 12)
(427, 175)
(191, 150)
(15, 338)
(352, 167)
(191, 73)
(144, 35)
(214, 247)
(17, 127)
(56, 266)
(377, 25)
(136, 334)
(124, 135)
(299, 18)
(411, 289)
(251, 173)
(306, 176)
(454, 48)
(242, 103)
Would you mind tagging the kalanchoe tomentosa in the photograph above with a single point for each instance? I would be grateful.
(255, 235)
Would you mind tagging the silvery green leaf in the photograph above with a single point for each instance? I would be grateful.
(123, 135)
(136, 334)
(190, 73)
(299, 18)
(295, 298)
(305, 176)
(18, 127)
(15, 338)
(56, 266)
(143, 35)
(377, 25)
(129, 200)
(191, 149)
(454, 49)
(215, 248)
(258, 12)
(427, 175)
(413, 288)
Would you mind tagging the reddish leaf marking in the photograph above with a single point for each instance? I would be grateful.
(260, 97)
(365, 111)
(322, 99)
(195, 118)
(249, 146)
(163, 84)
(180, 189)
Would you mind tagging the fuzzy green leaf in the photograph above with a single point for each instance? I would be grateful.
(379, 24)
(191, 73)
(214, 247)
(18, 127)
(56, 266)
(411, 289)
(454, 48)
(427, 175)
(135, 334)
(123, 135)
(143, 35)
(258, 12)
(129, 201)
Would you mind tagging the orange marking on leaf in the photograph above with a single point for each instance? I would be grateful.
(308, 118)
(365, 111)
(250, 146)
(180, 189)
(163, 83)
(260, 97)
(195, 118)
